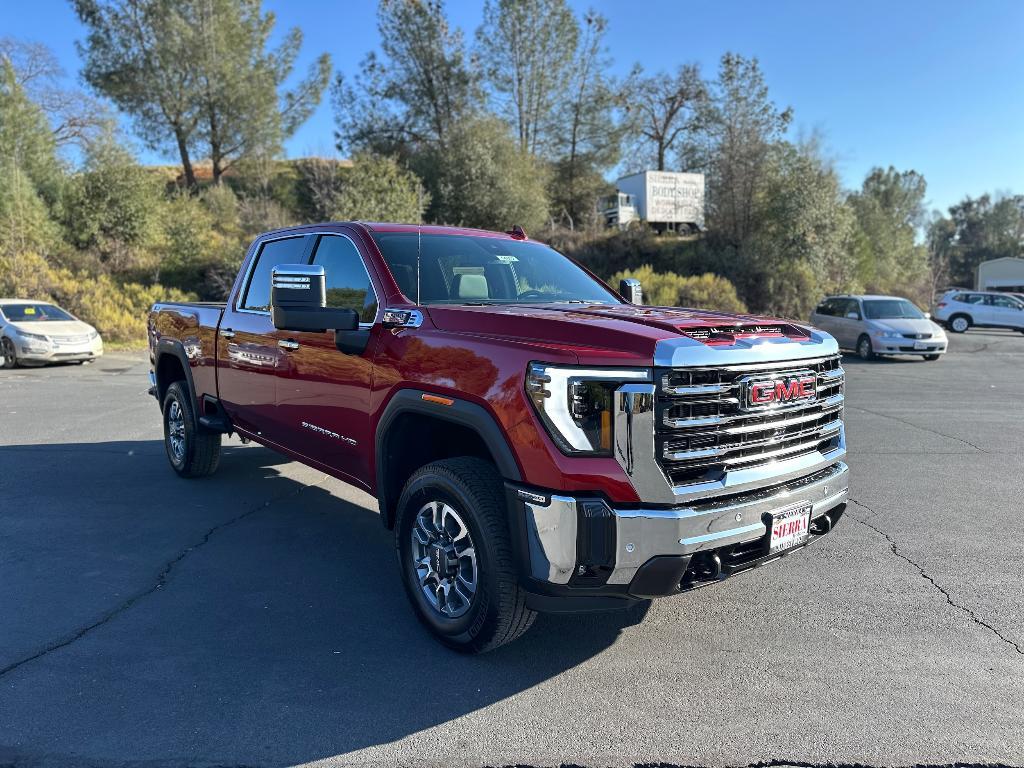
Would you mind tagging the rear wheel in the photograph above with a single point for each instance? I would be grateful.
(192, 451)
(455, 556)
(864, 349)
(8, 354)
(959, 323)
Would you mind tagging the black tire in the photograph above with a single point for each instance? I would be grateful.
(10, 354)
(497, 612)
(959, 323)
(864, 350)
(932, 358)
(198, 454)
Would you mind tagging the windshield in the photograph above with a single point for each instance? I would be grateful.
(25, 313)
(463, 269)
(891, 309)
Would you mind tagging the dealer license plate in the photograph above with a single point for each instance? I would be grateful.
(920, 345)
(790, 528)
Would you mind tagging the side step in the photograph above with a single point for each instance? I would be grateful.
(217, 421)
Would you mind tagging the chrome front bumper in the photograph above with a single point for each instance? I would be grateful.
(641, 534)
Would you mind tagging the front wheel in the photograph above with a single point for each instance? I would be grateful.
(191, 451)
(8, 355)
(932, 358)
(455, 556)
(864, 349)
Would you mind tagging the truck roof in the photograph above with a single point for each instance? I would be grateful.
(381, 226)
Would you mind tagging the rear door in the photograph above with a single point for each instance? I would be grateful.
(248, 351)
(847, 329)
(823, 316)
(1005, 311)
(323, 392)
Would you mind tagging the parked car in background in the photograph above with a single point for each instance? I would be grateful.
(880, 325)
(39, 332)
(960, 309)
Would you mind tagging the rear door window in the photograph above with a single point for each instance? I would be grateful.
(288, 250)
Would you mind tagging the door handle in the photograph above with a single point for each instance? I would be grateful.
(227, 333)
(288, 344)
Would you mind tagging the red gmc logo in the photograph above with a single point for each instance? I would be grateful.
(792, 389)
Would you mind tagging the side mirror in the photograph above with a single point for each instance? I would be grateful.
(927, 315)
(853, 315)
(298, 296)
(630, 290)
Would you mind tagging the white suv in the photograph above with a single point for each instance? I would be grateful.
(960, 309)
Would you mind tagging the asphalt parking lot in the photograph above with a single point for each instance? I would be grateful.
(256, 618)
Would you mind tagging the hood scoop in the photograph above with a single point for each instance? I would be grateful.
(729, 334)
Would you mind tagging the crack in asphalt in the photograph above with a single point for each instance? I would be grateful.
(866, 522)
(917, 426)
(161, 579)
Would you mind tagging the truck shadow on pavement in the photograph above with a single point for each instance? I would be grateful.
(248, 618)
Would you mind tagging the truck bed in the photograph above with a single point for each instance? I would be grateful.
(189, 328)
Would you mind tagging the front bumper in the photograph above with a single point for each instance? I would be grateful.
(579, 547)
(886, 346)
(38, 352)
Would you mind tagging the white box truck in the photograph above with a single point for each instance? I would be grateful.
(666, 199)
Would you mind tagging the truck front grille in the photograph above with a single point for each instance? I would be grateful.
(703, 431)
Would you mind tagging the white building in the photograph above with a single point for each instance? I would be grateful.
(664, 199)
(1006, 274)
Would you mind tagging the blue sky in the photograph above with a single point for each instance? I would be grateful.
(933, 86)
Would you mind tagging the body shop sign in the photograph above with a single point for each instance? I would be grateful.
(675, 197)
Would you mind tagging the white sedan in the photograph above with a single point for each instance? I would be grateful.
(40, 332)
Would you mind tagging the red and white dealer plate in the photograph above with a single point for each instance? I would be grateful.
(791, 527)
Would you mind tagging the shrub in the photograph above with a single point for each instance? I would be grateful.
(667, 289)
(117, 310)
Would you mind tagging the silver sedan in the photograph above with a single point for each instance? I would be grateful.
(880, 325)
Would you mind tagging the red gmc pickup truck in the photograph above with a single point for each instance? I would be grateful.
(536, 441)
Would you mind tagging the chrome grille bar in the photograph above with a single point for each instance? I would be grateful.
(703, 432)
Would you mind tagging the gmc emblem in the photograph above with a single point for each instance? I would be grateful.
(774, 393)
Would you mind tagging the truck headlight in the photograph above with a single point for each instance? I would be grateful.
(576, 404)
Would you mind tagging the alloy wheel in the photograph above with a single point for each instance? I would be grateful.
(176, 430)
(960, 324)
(444, 559)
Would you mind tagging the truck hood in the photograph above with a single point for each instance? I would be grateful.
(619, 330)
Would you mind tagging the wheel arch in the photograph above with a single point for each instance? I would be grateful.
(171, 365)
(413, 432)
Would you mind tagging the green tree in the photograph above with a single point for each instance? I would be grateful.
(487, 181)
(412, 96)
(112, 206)
(800, 249)
(378, 189)
(30, 175)
(984, 228)
(888, 213)
(245, 113)
(740, 125)
(196, 75)
(527, 49)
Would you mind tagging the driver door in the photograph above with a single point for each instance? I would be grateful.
(323, 392)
